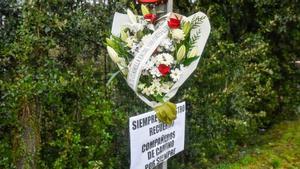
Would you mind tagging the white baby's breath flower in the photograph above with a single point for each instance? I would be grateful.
(175, 74)
(178, 34)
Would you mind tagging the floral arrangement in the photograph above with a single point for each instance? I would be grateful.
(166, 63)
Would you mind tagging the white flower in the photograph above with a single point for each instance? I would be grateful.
(181, 53)
(142, 21)
(181, 67)
(165, 88)
(151, 27)
(122, 62)
(155, 72)
(151, 90)
(124, 35)
(135, 48)
(156, 83)
(169, 59)
(123, 66)
(131, 16)
(113, 55)
(164, 58)
(178, 34)
(158, 91)
(138, 27)
(146, 91)
(130, 42)
(141, 86)
(145, 73)
(158, 59)
(133, 27)
(146, 38)
(175, 74)
(167, 44)
(156, 86)
(126, 26)
(149, 65)
(159, 49)
(172, 48)
(194, 52)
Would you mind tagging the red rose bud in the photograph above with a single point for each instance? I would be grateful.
(164, 69)
(150, 17)
(174, 23)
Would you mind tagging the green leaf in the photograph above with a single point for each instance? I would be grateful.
(113, 76)
(188, 61)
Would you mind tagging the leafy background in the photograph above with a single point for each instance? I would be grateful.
(57, 112)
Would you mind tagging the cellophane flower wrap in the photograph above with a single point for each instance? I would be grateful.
(157, 55)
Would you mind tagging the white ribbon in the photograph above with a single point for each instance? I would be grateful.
(144, 54)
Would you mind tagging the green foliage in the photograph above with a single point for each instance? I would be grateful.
(277, 148)
(52, 55)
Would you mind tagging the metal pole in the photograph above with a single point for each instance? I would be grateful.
(170, 6)
(162, 9)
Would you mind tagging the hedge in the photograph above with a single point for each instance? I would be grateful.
(56, 110)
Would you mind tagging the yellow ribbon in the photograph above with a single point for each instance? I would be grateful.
(166, 112)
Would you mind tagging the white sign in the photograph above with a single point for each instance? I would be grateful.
(152, 142)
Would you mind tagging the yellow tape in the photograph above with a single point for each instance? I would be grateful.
(166, 112)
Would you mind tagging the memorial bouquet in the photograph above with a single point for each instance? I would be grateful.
(157, 54)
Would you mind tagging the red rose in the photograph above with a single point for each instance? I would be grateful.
(174, 23)
(150, 17)
(164, 69)
(157, 2)
(148, 1)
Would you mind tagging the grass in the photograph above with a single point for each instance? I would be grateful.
(280, 150)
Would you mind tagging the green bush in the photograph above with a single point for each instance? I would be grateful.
(57, 112)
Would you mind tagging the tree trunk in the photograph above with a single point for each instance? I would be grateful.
(26, 141)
